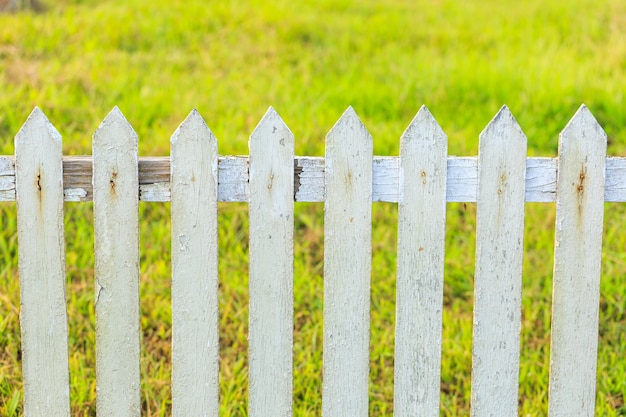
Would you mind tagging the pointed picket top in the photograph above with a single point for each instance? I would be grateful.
(271, 123)
(503, 127)
(115, 129)
(348, 122)
(193, 128)
(37, 121)
(585, 124)
(424, 127)
(191, 142)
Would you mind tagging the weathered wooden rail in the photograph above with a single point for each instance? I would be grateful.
(347, 180)
(234, 185)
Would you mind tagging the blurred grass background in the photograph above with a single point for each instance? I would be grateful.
(157, 60)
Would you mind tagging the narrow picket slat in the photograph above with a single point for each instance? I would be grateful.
(271, 268)
(419, 288)
(347, 268)
(498, 277)
(577, 264)
(116, 234)
(41, 258)
(195, 334)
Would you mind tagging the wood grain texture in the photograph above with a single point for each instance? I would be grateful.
(347, 268)
(419, 288)
(195, 335)
(234, 184)
(577, 264)
(41, 258)
(116, 235)
(498, 276)
(271, 268)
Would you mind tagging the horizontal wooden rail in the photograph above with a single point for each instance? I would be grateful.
(154, 179)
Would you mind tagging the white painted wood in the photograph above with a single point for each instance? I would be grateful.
(419, 288)
(462, 179)
(271, 268)
(309, 179)
(195, 334)
(234, 185)
(541, 180)
(498, 276)
(615, 180)
(41, 257)
(577, 263)
(116, 234)
(385, 178)
(7, 178)
(158, 192)
(347, 268)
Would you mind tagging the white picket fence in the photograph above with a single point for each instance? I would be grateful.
(348, 179)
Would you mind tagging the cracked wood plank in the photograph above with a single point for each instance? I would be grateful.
(271, 208)
(347, 268)
(41, 258)
(195, 336)
(498, 276)
(116, 237)
(577, 267)
(421, 245)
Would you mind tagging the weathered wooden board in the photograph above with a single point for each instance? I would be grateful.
(419, 288)
(195, 336)
(116, 236)
(498, 276)
(347, 268)
(234, 185)
(577, 264)
(271, 268)
(41, 258)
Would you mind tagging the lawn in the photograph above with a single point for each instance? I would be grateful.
(157, 60)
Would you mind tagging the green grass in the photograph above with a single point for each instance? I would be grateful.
(157, 60)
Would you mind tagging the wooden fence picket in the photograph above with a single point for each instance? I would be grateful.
(347, 268)
(419, 287)
(41, 257)
(116, 235)
(498, 276)
(271, 210)
(195, 336)
(577, 264)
